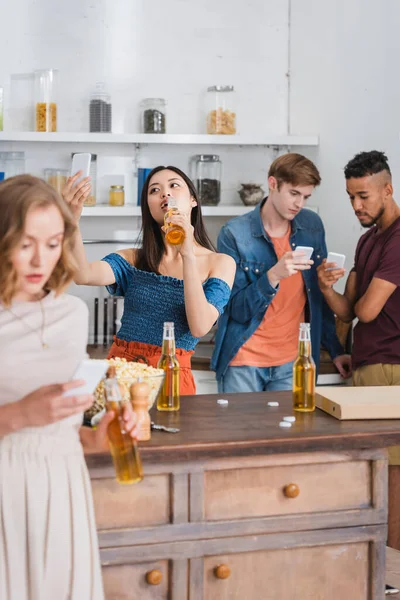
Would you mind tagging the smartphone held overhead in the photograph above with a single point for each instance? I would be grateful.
(80, 162)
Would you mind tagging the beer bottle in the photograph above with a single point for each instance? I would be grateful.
(304, 373)
(175, 234)
(124, 450)
(168, 398)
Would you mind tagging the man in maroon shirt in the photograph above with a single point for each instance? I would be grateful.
(372, 293)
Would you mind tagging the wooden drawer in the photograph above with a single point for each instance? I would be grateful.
(263, 491)
(143, 581)
(138, 505)
(312, 573)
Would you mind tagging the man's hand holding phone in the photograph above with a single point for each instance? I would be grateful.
(291, 263)
(330, 271)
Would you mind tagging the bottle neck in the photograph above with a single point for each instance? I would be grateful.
(112, 391)
(305, 348)
(168, 346)
(172, 204)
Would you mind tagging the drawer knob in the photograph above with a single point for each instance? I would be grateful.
(222, 572)
(291, 490)
(154, 577)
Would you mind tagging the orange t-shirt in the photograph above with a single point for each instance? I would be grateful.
(275, 341)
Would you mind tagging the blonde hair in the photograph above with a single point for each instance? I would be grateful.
(18, 195)
(295, 169)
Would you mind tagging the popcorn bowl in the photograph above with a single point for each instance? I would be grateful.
(128, 373)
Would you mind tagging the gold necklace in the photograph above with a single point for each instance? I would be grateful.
(43, 343)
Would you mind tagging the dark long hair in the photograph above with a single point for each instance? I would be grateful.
(149, 256)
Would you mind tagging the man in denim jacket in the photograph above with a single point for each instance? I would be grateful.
(275, 288)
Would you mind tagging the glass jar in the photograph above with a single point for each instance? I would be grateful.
(91, 200)
(21, 110)
(117, 195)
(57, 178)
(221, 115)
(46, 99)
(154, 115)
(12, 163)
(208, 179)
(100, 110)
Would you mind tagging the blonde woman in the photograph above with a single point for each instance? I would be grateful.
(48, 542)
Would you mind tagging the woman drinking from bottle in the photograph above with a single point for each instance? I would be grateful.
(182, 280)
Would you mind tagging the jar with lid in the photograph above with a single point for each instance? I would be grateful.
(153, 115)
(12, 163)
(57, 178)
(100, 110)
(208, 179)
(91, 200)
(221, 115)
(46, 99)
(117, 195)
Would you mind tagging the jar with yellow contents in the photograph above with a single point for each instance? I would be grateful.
(116, 195)
(46, 100)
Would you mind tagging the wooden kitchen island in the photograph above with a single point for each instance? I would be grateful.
(236, 507)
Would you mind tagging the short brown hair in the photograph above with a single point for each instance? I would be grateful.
(295, 169)
(17, 196)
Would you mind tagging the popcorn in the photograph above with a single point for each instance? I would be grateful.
(127, 373)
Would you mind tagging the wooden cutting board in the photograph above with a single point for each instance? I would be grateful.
(347, 402)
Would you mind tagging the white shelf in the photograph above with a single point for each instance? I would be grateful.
(142, 138)
(233, 210)
(134, 211)
(104, 210)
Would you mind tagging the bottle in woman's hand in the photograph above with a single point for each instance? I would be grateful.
(175, 234)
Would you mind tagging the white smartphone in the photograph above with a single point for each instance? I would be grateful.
(91, 371)
(308, 250)
(81, 162)
(339, 259)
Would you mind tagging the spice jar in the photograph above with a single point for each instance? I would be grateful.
(251, 193)
(57, 178)
(153, 115)
(208, 179)
(221, 115)
(91, 200)
(100, 110)
(117, 195)
(139, 393)
(45, 99)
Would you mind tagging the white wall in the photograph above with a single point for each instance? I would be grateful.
(345, 85)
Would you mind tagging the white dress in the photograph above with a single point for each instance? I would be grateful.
(48, 541)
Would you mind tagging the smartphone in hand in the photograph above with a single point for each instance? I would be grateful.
(91, 372)
(339, 259)
(307, 250)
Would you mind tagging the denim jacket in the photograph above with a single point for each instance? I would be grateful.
(245, 239)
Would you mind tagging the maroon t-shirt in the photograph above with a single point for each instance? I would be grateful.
(378, 255)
